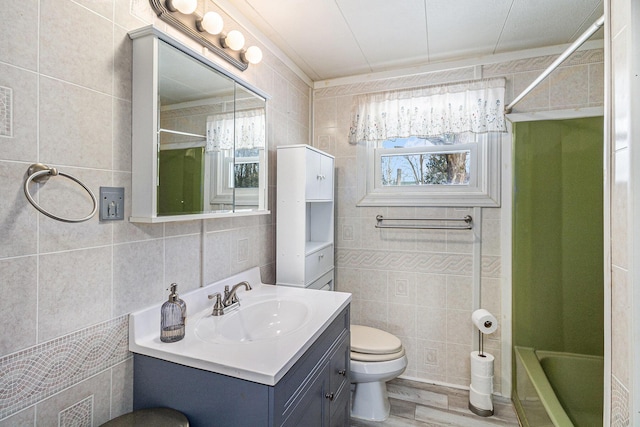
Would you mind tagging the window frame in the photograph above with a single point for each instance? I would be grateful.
(483, 189)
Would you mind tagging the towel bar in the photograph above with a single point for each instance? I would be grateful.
(467, 220)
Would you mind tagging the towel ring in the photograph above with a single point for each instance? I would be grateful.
(40, 173)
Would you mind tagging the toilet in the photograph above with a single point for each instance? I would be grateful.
(376, 357)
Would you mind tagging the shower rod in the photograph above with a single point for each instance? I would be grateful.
(574, 46)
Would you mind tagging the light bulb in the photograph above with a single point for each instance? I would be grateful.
(211, 22)
(183, 6)
(252, 55)
(234, 40)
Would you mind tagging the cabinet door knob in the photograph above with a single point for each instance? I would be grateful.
(321, 256)
(342, 372)
(329, 396)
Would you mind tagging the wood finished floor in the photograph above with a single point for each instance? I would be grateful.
(424, 405)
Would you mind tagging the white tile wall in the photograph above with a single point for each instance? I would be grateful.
(429, 275)
(68, 67)
(623, 359)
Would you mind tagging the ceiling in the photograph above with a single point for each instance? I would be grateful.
(329, 39)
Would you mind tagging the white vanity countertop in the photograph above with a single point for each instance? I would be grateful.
(264, 361)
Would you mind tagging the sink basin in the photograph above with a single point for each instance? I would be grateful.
(256, 322)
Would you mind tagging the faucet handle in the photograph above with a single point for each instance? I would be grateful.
(218, 307)
(226, 300)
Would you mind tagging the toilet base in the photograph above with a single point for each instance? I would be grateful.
(370, 401)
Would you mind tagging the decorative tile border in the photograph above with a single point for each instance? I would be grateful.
(423, 79)
(6, 111)
(80, 414)
(500, 69)
(32, 375)
(491, 266)
(540, 63)
(420, 262)
(619, 404)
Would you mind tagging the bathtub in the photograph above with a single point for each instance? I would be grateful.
(558, 389)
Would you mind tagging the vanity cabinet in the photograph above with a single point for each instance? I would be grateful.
(314, 392)
(305, 217)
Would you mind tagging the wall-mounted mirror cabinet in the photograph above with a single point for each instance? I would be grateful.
(199, 145)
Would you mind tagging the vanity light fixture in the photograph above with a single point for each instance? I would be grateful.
(234, 40)
(211, 22)
(182, 15)
(186, 7)
(252, 55)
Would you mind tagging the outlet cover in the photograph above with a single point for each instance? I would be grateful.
(111, 203)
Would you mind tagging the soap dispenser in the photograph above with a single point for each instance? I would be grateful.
(181, 303)
(172, 315)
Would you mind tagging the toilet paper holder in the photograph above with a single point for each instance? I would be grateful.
(480, 344)
(487, 324)
(480, 400)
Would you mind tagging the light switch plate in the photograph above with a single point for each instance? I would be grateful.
(111, 203)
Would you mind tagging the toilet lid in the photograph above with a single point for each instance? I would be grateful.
(374, 341)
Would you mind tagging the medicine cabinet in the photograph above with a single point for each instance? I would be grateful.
(199, 147)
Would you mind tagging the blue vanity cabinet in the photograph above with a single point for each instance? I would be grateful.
(314, 392)
(331, 384)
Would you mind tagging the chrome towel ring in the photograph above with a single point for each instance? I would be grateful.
(40, 173)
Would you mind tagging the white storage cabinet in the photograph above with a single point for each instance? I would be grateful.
(305, 216)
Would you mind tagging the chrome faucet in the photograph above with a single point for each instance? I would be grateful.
(230, 297)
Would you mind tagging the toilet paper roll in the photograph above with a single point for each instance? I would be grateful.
(482, 365)
(484, 321)
(482, 384)
(480, 400)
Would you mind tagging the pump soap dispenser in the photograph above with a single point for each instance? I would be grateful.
(181, 303)
(172, 313)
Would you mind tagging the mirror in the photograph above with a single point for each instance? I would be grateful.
(210, 132)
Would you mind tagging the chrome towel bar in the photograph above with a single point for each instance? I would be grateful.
(467, 226)
(40, 173)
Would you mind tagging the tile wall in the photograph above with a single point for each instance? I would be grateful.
(622, 55)
(418, 284)
(65, 100)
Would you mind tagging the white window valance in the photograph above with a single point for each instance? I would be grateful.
(239, 130)
(476, 106)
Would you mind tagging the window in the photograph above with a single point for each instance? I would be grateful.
(448, 170)
(237, 177)
(247, 168)
(430, 146)
(424, 161)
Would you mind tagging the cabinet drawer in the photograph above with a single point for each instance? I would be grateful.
(324, 283)
(318, 263)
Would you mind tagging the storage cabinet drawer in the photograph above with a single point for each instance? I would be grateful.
(318, 263)
(325, 282)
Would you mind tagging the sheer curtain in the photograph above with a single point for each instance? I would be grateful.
(242, 129)
(476, 106)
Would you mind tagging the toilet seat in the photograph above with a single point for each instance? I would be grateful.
(364, 357)
(374, 345)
